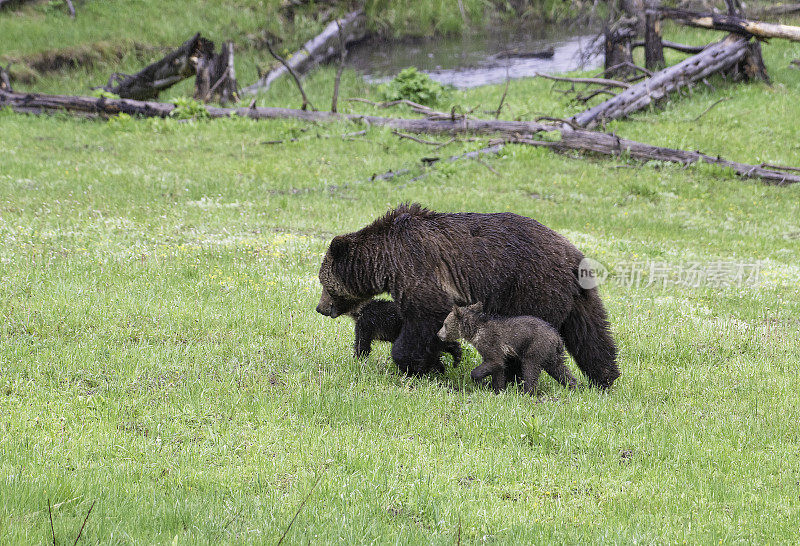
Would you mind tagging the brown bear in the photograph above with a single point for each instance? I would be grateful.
(504, 341)
(381, 320)
(429, 261)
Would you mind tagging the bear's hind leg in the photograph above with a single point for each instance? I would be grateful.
(556, 367)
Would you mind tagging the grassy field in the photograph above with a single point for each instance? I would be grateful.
(161, 360)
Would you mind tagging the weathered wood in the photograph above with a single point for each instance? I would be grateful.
(618, 52)
(216, 76)
(317, 50)
(93, 106)
(5, 80)
(732, 23)
(516, 131)
(612, 145)
(154, 78)
(654, 46)
(716, 57)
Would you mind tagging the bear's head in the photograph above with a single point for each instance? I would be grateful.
(459, 322)
(338, 297)
(451, 329)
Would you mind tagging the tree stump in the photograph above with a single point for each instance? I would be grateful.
(653, 44)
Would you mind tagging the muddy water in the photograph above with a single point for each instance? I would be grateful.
(476, 59)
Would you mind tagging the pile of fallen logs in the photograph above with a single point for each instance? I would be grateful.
(636, 89)
(737, 55)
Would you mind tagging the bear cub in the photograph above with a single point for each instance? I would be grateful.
(381, 320)
(507, 342)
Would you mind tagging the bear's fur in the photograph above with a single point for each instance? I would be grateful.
(504, 341)
(381, 320)
(430, 261)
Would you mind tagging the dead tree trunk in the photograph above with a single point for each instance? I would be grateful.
(516, 131)
(716, 57)
(216, 76)
(5, 80)
(653, 45)
(150, 81)
(317, 50)
(618, 51)
(732, 23)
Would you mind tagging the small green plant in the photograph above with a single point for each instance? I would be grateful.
(120, 120)
(102, 93)
(186, 108)
(413, 85)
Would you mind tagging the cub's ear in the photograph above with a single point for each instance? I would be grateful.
(476, 307)
(339, 247)
(454, 310)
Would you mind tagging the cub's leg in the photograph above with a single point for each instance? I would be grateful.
(555, 366)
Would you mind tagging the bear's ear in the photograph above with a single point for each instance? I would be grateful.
(339, 247)
(476, 307)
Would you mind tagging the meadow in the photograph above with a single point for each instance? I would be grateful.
(162, 363)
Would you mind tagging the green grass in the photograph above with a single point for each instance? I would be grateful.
(160, 355)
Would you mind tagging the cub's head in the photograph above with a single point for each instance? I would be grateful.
(451, 330)
(459, 317)
(337, 298)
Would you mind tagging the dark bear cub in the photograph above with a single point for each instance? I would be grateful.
(505, 341)
(381, 320)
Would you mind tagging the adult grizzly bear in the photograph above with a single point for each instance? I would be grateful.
(430, 261)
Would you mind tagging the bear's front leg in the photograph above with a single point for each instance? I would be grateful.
(493, 368)
(416, 350)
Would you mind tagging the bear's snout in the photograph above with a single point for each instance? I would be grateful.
(442, 334)
(327, 310)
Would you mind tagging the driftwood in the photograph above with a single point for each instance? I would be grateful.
(716, 57)
(732, 23)
(516, 131)
(176, 66)
(216, 76)
(317, 50)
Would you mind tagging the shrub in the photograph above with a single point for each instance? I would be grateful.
(413, 85)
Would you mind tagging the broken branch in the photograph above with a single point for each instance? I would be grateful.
(306, 102)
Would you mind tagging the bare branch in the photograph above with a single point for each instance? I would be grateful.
(306, 102)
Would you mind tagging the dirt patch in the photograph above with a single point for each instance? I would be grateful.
(28, 68)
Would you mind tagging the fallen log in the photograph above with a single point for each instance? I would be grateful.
(154, 78)
(719, 56)
(548, 53)
(317, 50)
(732, 23)
(612, 145)
(103, 107)
(516, 131)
